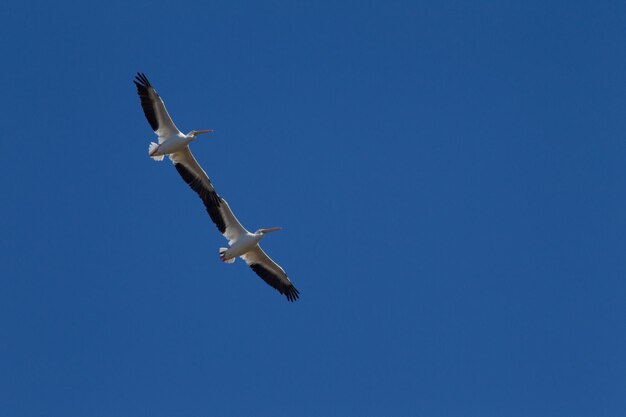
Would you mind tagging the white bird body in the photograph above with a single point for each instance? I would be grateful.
(242, 245)
(169, 145)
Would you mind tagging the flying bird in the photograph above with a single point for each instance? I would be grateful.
(176, 144)
(171, 140)
(242, 243)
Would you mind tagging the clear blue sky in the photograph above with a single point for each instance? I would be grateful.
(450, 176)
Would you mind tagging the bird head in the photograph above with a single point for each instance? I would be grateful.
(194, 133)
(271, 229)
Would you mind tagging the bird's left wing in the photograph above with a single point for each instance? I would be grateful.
(271, 272)
(154, 108)
(216, 206)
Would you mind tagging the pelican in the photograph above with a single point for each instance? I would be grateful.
(171, 140)
(241, 242)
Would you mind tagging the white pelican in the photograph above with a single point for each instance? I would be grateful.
(242, 243)
(171, 140)
(175, 144)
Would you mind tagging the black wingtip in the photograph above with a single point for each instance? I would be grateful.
(286, 289)
(143, 86)
(292, 294)
(142, 79)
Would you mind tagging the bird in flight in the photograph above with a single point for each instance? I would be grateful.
(174, 143)
(171, 140)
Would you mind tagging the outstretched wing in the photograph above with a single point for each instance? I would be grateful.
(271, 272)
(216, 206)
(154, 108)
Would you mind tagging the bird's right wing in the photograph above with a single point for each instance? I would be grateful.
(270, 272)
(216, 206)
(154, 108)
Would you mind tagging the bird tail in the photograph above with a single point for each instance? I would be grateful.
(152, 149)
(223, 256)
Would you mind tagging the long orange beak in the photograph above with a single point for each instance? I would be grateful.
(199, 132)
(271, 229)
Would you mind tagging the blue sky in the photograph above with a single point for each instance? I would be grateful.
(450, 177)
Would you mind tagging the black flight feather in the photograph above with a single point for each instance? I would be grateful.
(209, 198)
(268, 276)
(143, 89)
